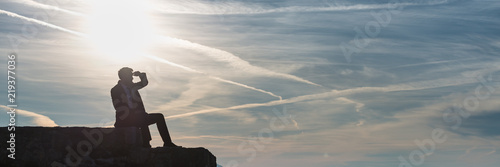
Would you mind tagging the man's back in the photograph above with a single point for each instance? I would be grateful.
(128, 104)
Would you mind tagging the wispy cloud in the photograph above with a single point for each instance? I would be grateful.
(235, 138)
(420, 85)
(433, 63)
(148, 56)
(358, 104)
(210, 76)
(198, 88)
(49, 7)
(216, 54)
(234, 61)
(214, 8)
(11, 14)
(36, 119)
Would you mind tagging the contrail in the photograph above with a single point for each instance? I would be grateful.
(217, 54)
(148, 56)
(433, 62)
(44, 6)
(246, 86)
(279, 102)
(452, 81)
(42, 23)
(213, 77)
(234, 8)
(234, 61)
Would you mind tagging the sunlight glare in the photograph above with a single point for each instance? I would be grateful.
(121, 30)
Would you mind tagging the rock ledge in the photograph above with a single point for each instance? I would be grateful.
(91, 147)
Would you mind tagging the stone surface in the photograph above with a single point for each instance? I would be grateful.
(82, 146)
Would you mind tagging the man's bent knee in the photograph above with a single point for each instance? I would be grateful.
(156, 114)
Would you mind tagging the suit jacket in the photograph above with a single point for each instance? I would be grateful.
(130, 111)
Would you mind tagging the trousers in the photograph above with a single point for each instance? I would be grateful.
(159, 119)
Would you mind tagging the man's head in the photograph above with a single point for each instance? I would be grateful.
(125, 74)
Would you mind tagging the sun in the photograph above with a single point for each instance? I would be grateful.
(121, 30)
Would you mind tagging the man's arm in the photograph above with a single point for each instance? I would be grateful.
(144, 80)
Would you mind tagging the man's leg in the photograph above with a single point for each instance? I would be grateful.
(146, 136)
(159, 119)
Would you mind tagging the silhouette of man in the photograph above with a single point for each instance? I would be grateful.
(130, 110)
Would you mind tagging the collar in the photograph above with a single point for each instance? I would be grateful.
(122, 84)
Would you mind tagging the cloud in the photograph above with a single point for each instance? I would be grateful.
(358, 104)
(149, 56)
(433, 62)
(361, 123)
(204, 137)
(217, 54)
(420, 85)
(234, 61)
(491, 152)
(198, 88)
(49, 7)
(36, 119)
(210, 76)
(220, 8)
(11, 14)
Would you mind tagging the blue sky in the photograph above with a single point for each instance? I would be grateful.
(271, 82)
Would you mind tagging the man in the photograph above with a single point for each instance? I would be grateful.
(130, 110)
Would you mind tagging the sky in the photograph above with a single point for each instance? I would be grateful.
(320, 83)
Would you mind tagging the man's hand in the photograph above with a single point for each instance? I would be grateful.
(137, 73)
(142, 75)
